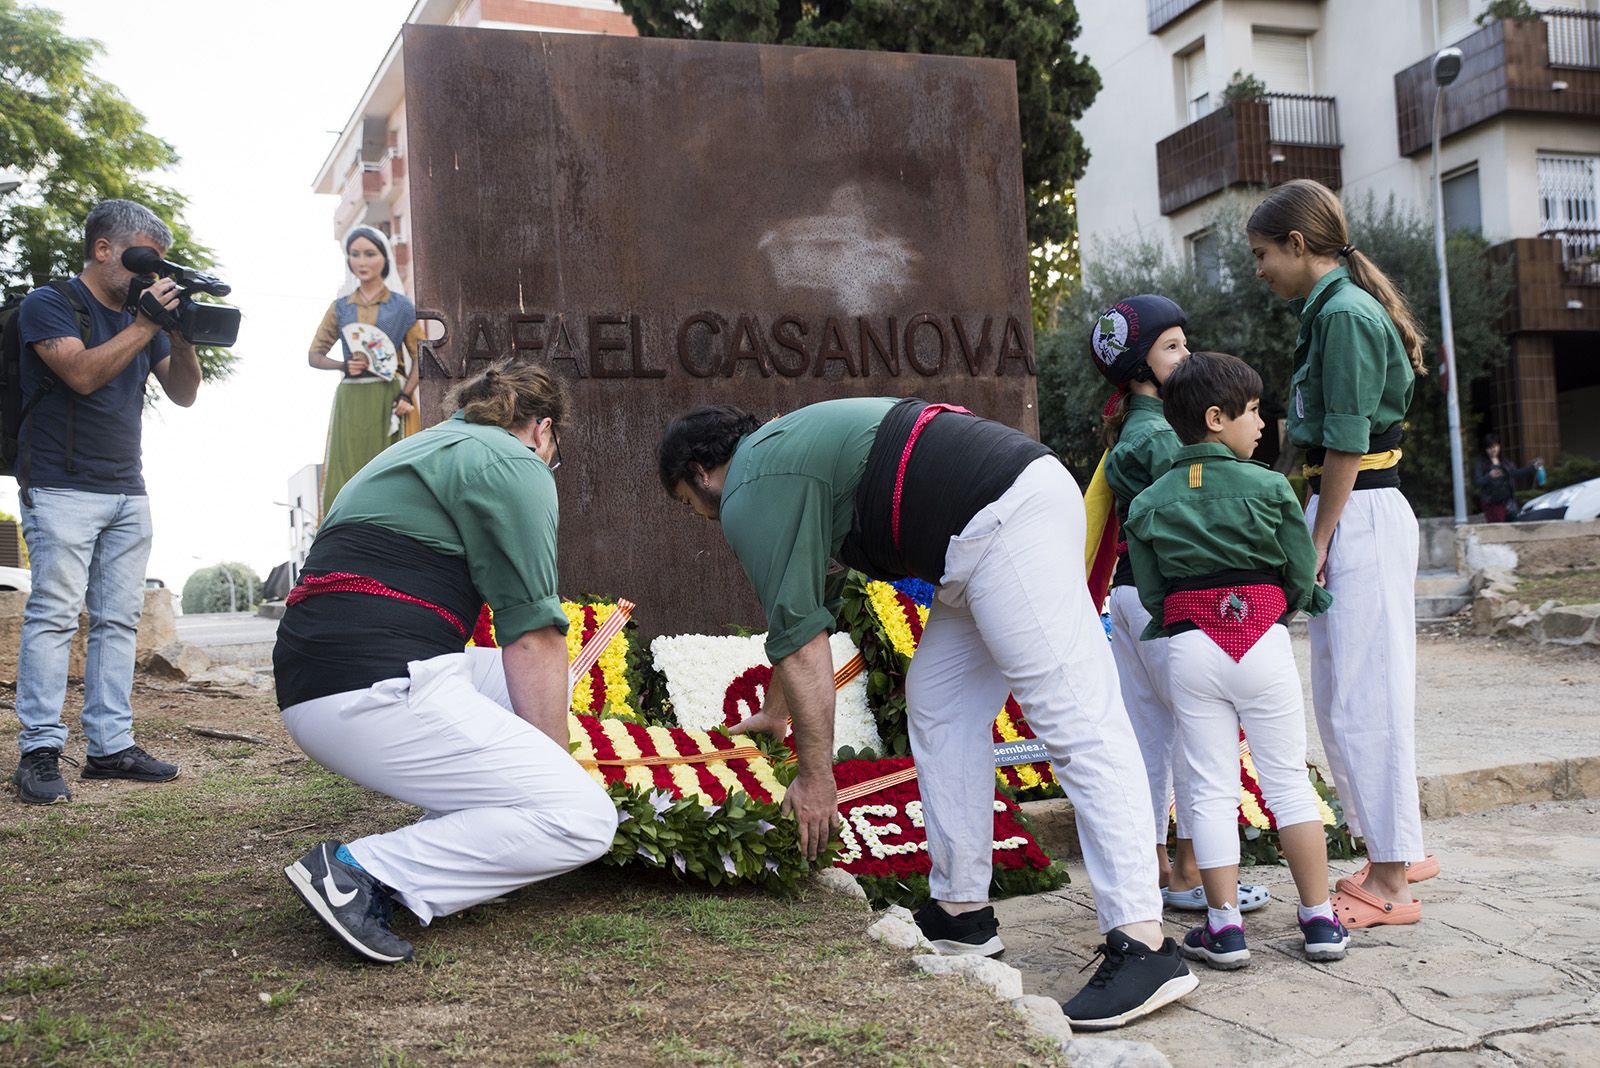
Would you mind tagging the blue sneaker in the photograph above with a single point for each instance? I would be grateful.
(1325, 938)
(1224, 949)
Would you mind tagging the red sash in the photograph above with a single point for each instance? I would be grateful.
(1235, 617)
(345, 582)
(905, 458)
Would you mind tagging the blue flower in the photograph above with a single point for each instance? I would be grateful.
(916, 589)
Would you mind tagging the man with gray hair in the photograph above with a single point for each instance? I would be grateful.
(85, 359)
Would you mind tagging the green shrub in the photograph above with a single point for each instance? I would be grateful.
(208, 590)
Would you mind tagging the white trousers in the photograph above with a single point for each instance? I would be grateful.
(1216, 696)
(1142, 671)
(1013, 615)
(1364, 671)
(505, 805)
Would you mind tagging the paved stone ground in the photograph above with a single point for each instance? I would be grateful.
(1503, 972)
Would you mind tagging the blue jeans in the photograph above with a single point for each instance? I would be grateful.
(82, 546)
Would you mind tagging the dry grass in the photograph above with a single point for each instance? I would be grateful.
(1569, 587)
(153, 925)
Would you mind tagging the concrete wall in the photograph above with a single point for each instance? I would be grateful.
(1529, 548)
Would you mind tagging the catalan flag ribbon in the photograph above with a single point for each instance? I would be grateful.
(1100, 543)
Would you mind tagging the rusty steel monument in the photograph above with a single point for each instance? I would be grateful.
(674, 223)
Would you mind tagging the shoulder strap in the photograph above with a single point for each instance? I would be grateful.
(80, 311)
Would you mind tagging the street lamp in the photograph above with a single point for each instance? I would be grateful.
(1446, 67)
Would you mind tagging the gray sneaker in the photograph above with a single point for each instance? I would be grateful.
(38, 777)
(351, 902)
(130, 763)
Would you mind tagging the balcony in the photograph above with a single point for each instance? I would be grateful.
(1250, 142)
(1546, 66)
(392, 170)
(1159, 13)
(1556, 281)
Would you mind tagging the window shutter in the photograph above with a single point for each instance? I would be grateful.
(1282, 61)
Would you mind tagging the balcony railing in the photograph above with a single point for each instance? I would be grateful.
(1250, 142)
(1574, 39)
(1549, 66)
(1160, 12)
(1580, 255)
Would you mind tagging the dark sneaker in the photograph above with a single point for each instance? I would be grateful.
(1224, 949)
(971, 934)
(131, 763)
(38, 777)
(351, 902)
(1133, 980)
(1325, 938)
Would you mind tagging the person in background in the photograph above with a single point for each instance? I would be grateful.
(375, 326)
(85, 361)
(1496, 478)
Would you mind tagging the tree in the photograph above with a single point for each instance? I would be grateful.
(76, 141)
(1235, 313)
(209, 590)
(1054, 84)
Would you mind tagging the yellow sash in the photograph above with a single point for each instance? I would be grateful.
(1371, 461)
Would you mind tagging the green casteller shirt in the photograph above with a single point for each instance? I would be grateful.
(473, 491)
(1352, 379)
(1142, 454)
(1213, 512)
(787, 503)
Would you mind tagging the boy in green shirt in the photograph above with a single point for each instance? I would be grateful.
(1222, 558)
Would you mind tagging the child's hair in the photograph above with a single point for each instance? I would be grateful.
(1113, 418)
(1203, 381)
(1312, 208)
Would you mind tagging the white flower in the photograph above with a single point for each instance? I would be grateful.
(763, 827)
(677, 860)
(727, 863)
(700, 668)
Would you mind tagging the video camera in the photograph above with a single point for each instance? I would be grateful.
(199, 322)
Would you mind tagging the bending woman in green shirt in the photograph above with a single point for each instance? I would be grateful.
(375, 683)
(1355, 366)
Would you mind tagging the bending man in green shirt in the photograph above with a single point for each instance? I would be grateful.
(906, 488)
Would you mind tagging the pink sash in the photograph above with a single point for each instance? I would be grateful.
(1235, 617)
(923, 420)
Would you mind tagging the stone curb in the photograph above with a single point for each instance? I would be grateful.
(1457, 793)
(1041, 1015)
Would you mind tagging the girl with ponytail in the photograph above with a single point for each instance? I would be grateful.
(1136, 343)
(1355, 367)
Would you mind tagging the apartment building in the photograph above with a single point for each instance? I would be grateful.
(1349, 102)
(367, 167)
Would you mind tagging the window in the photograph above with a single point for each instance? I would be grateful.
(1281, 60)
(1205, 251)
(1196, 84)
(1462, 208)
(1454, 20)
(1569, 192)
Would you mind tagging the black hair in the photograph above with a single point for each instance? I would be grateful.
(371, 235)
(706, 436)
(1202, 381)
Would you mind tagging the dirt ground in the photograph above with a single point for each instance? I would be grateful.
(152, 924)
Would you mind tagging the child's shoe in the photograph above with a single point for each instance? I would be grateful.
(1325, 938)
(1224, 949)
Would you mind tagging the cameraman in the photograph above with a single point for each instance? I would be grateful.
(84, 511)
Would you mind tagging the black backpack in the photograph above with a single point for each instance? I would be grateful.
(14, 407)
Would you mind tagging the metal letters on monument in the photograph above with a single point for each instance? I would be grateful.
(674, 223)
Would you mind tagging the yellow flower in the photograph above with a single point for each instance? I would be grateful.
(885, 603)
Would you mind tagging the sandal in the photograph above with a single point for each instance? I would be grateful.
(1418, 872)
(1250, 898)
(1358, 907)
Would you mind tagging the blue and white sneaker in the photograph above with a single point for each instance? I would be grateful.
(1325, 938)
(1224, 949)
(1249, 898)
(353, 904)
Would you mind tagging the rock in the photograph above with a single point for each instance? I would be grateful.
(1112, 1053)
(840, 882)
(898, 929)
(1055, 826)
(232, 676)
(158, 623)
(1003, 981)
(176, 660)
(1573, 624)
(1044, 1016)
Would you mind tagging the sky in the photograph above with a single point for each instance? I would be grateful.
(252, 96)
